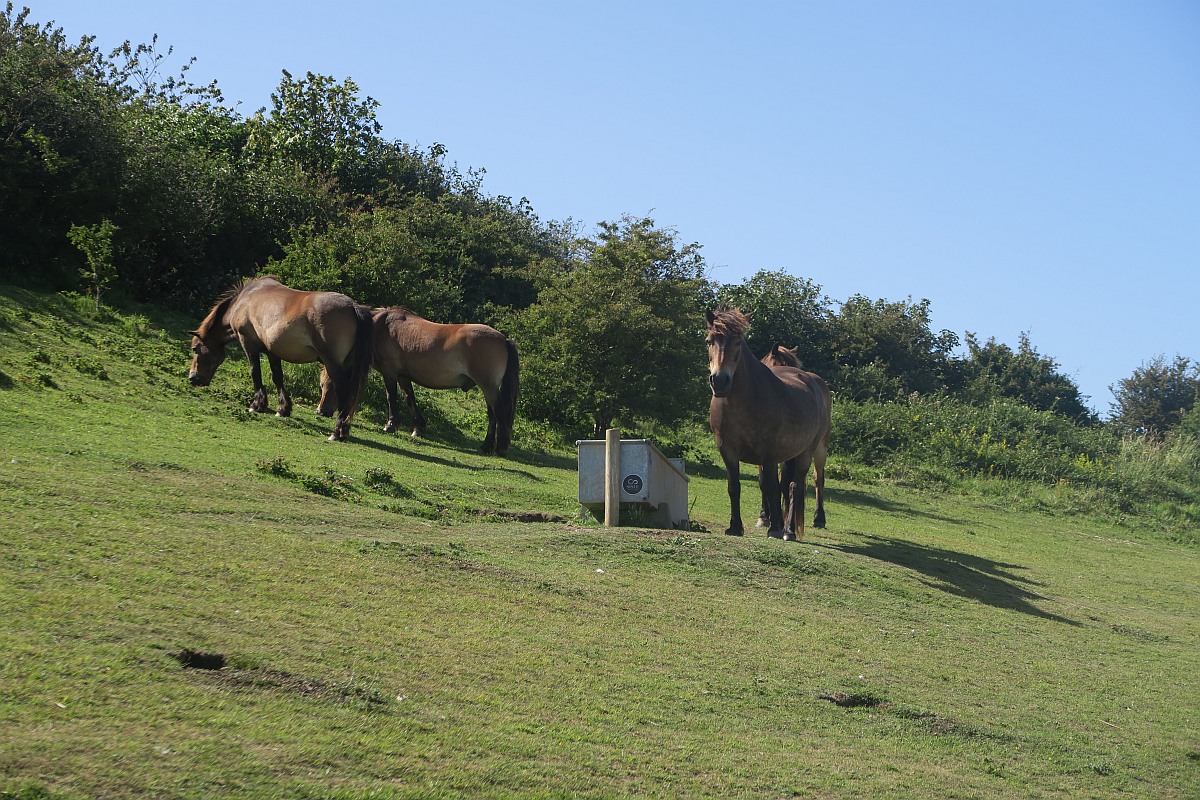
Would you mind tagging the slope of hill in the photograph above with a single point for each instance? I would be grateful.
(203, 602)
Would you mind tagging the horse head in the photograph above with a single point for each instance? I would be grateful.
(206, 357)
(725, 339)
(780, 356)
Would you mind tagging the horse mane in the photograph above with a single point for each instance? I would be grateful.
(221, 305)
(729, 321)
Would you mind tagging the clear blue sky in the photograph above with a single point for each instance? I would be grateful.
(1026, 165)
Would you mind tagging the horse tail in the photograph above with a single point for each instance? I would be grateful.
(506, 405)
(360, 355)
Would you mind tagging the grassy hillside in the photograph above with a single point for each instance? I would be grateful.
(402, 618)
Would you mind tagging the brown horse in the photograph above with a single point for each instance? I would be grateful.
(288, 325)
(777, 356)
(766, 416)
(410, 349)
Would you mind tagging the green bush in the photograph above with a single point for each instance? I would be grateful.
(1003, 439)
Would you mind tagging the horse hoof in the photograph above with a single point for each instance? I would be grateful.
(761, 523)
(733, 532)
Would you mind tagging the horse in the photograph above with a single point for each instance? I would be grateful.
(288, 325)
(410, 349)
(766, 416)
(777, 356)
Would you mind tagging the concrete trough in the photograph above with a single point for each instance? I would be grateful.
(648, 480)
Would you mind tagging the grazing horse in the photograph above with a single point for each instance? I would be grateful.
(410, 349)
(766, 416)
(288, 325)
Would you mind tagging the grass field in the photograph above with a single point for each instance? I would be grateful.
(397, 618)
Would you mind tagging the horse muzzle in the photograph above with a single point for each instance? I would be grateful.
(196, 379)
(721, 383)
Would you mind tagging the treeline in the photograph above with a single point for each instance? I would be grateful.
(118, 177)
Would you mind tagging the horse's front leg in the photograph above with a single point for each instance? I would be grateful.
(389, 387)
(410, 398)
(284, 407)
(258, 401)
(733, 479)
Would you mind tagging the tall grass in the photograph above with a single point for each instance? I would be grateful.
(943, 440)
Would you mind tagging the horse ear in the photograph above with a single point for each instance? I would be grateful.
(708, 315)
(195, 333)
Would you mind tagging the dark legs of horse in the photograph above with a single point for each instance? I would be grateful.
(733, 481)
(819, 484)
(489, 441)
(258, 402)
(284, 406)
(327, 405)
(771, 500)
(410, 399)
(339, 376)
(794, 474)
(764, 516)
(506, 400)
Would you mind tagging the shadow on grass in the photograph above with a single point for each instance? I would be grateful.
(856, 497)
(993, 583)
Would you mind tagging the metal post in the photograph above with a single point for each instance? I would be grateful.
(612, 478)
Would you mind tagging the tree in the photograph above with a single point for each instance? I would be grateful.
(61, 145)
(884, 350)
(95, 242)
(1157, 397)
(788, 311)
(618, 335)
(321, 126)
(993, 369)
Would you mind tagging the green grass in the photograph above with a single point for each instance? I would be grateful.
(390, 629)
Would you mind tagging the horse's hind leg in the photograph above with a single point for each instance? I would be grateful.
(819, 484)
(345, 400)
(764, 517)
(327, 405)
(284, 407)
(489, 441)
(794, 474)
